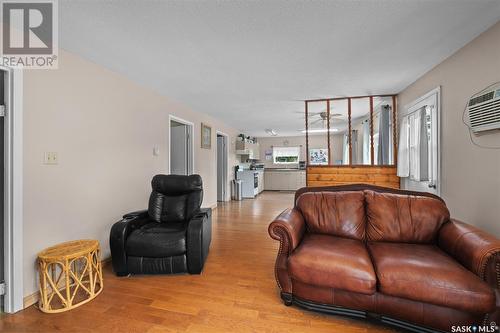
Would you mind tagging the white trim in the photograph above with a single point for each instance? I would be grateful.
(13, 185)
(412, 106)
(434, 91)
(226, 196)
(188, 123)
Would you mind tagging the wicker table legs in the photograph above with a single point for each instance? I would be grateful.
(70, 275)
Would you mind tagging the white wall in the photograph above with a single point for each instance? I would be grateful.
(104, 128)
(470, 175)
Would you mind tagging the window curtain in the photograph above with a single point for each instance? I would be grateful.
(384, 136)
(345, 157)
(366, 142)
(354, 145)
(418, 146)
(286, 151)
(404, 149)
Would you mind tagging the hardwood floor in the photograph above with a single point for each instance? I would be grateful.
(237, 291)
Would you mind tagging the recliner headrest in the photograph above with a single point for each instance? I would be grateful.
(172, 185)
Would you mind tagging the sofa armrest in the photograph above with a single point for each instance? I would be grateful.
(199, 237)
(475, 249)
(288, 228)
(118, 238)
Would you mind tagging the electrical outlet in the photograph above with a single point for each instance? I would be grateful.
(50, 158)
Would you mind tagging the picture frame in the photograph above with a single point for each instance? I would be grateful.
(318, 156)
(206, 136)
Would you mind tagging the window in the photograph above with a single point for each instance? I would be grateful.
(286, 155)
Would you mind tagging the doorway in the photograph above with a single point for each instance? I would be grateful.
(12, 189)
(181, 147)
(2, 191)
(426, 111)
(222, 153)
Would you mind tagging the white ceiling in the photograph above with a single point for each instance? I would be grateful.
(247, 62)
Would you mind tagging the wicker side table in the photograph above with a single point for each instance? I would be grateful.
(70, 275)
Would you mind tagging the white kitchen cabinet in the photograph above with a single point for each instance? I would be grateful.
(261, 180)
(247, 148)
(268, 180)
(284, 180)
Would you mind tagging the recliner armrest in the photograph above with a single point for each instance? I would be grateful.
(199, 237)
(475, 249)
(290, 224)
(118, 237)
(137, 213)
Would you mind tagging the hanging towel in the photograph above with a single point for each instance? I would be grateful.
(403, 149)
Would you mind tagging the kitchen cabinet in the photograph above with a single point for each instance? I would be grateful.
(260, 175)
(247, 148)
(284, 180)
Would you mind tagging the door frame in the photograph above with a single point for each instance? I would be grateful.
(226, 162)
(190, 126)
(13, 191)
(415, 104)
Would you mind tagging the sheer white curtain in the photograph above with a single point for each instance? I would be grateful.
(417, 158)
(366, 142)
(345, 155)
(404, 149)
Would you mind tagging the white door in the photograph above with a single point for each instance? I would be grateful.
(221, 167)
(2, 191)
(429, 107)
(179, 149)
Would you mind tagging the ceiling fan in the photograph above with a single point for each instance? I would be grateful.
(321, 116)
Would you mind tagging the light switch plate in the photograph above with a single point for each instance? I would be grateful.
(156, 151)
(50, 158)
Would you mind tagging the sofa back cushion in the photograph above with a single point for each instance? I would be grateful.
(403, 218)
(334, 213)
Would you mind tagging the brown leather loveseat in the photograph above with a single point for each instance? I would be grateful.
(392, 255)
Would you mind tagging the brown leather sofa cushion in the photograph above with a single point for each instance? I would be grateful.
(403, 218)
(424, 273)
(335, 262)
(334, 213)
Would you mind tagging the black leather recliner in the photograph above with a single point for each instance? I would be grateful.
(172, 236)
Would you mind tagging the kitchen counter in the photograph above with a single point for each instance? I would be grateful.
(284, 169)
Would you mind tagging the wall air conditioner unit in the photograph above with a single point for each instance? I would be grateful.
(484, 110)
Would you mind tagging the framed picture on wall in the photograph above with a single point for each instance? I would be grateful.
(206, 136)
(318, 156)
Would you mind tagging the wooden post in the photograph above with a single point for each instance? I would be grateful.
(394, 130)
(328, 130)
(350, 129)
(372, 150)
(307, 138)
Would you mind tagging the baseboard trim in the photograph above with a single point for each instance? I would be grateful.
(213, 207)
(33, 298)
